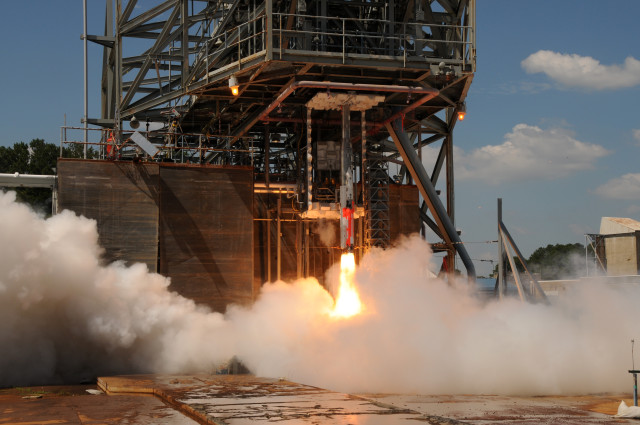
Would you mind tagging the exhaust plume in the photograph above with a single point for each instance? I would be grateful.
(65, 317)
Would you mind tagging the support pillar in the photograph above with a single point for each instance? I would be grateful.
(421, 178)
(279, 240)
(501, 286)
(309, 162)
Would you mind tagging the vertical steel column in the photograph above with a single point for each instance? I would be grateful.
(299, 249)
(392, 24)
(636, 235)
(363, 178)
(86, 80)
(269, 226)
(118, 71)
(269, 30)
(279, 236)
(184, 21)
(323, 24)
(267, 149)
(108, 70)
(309, 161)
(451, 255)
(501, 285)
(634, 372)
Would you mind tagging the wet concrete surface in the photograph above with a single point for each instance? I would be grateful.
(74, 405)
(248, 400)
(245, 399)
(492, 409)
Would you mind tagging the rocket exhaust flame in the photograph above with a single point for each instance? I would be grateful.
(348, 302)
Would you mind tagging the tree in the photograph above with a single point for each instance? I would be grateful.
(556, 261)
(37, 157)
(516, 261)
(552, 262)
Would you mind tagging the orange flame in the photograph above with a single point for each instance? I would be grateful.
(348, 301)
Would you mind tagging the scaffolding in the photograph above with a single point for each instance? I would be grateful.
(172, 63)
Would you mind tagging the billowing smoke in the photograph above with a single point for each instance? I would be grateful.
(64, 317)
(327, 230)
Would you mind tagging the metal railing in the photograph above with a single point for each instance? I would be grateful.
(352, 36)
(183, 148)
(336, 36)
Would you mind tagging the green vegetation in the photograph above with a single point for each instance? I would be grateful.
(556, 261)
(552, 261)
(37, 157)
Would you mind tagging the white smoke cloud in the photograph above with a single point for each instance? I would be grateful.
(583, 71)
(64, 316)
(528, 152)
(327, 230)
(626, 187)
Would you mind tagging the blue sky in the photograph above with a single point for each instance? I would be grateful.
(552, 121)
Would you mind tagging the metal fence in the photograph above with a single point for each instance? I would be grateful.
(169, 146)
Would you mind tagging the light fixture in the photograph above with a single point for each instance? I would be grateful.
(462, 111)
(233, 85)
(133, 122)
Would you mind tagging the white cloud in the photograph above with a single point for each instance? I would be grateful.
(636, 134)
(583, 71)
(528, 152)
(626, 187)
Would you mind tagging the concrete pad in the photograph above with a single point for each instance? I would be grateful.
(246, 399)
(491, 409)
(74, 405)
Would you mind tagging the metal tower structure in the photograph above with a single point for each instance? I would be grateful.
(174, 61)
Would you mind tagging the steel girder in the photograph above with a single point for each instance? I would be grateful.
(174, 59)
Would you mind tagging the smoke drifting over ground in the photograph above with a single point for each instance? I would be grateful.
(64, 316)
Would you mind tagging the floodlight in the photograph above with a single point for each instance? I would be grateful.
(462, 111)
(233, 85)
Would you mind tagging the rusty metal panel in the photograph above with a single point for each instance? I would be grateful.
(206, 233)
(404, 215)
(122, 197)
(265, 208)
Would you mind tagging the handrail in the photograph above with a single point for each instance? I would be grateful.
(175, 146)
(340, 36)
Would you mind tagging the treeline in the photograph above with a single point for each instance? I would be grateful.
(36, 157)
(559, 261)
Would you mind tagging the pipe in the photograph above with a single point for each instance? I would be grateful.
(415, 167)
(27, 180)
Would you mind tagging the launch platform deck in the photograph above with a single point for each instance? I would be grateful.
(248, 400)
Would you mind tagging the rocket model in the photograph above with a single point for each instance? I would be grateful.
(346, 188)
